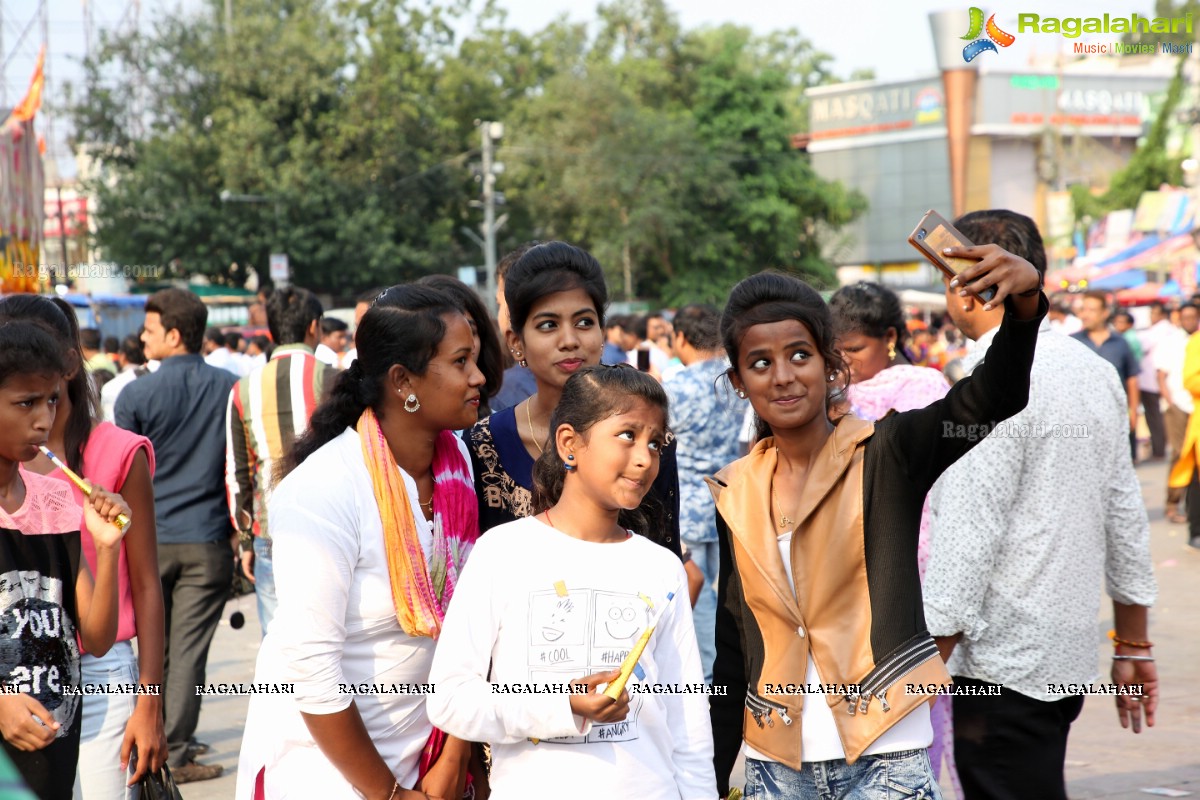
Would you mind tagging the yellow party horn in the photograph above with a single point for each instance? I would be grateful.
(627, 666)
(122, 522)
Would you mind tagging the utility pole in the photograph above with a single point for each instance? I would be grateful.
(491, 132)
(62, 238)
(88, 29)
(3, 62)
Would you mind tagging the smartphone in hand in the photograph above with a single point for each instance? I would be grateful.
(643, 360)
(932, 235)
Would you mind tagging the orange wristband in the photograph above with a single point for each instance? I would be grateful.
(1117, 640)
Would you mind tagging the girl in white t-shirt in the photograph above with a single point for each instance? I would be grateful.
(549, 607)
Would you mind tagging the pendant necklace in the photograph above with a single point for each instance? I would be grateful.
(785, 521)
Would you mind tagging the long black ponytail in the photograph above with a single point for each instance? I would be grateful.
(404, 326)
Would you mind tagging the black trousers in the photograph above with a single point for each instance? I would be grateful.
(1011, 747)
(1152, 408)
(196, 579)
(1193, 505)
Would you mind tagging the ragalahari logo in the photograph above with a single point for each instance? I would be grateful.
(995, 36)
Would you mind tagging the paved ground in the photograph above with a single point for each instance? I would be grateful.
(222, 719)
(1104, 761)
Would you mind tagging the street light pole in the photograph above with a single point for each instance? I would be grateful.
(491, 131)
(232, 197)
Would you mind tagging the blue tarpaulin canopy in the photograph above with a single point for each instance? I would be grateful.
(1140, 246)
(114, 314)
(138, 300)
(1120, 280)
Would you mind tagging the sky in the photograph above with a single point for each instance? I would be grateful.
(889, 36)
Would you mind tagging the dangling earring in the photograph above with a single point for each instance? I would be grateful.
(411, 404)
(568, 466)
(517, 355)
(891, 352)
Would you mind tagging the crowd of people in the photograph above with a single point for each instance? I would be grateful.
(565, 551)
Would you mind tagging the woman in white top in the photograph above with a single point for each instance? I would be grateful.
(371, 524)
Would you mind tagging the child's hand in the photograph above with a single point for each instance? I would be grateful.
(100, 512)
(25, 723)
(597, 706)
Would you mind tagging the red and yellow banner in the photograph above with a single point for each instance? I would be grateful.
(22, 190)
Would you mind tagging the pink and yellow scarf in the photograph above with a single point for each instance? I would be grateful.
(422, 589)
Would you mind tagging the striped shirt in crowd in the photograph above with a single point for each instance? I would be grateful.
(268, 410)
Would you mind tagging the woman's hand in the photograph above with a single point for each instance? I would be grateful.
(25, 723)
(695, 580)
(100, 512)
(145, 732)
(447, 777)
(1010, 274)
(597, 706)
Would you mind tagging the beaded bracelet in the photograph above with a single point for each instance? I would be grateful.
(1117, 640)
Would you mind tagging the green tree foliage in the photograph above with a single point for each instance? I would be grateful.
(1149, 167)
(342, 132)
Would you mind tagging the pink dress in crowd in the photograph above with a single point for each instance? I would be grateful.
(904, 388)
(107, 459)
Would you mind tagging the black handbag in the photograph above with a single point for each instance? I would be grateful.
(159, 786)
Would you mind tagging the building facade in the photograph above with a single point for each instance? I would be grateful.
(1033, 134)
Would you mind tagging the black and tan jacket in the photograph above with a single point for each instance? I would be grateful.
(855, 603)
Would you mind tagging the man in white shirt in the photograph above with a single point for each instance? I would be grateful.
(216, 354)
(658, 358)
(364, 302)
(1160, 329)
(132, 362)
(333, 341)
(1062, 320)
(1168, 364)
(1013, 583)
(239, 361)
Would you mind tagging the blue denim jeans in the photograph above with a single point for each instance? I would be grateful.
(889, 776)
(704, 615)
(104, 717)
(264, 582)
